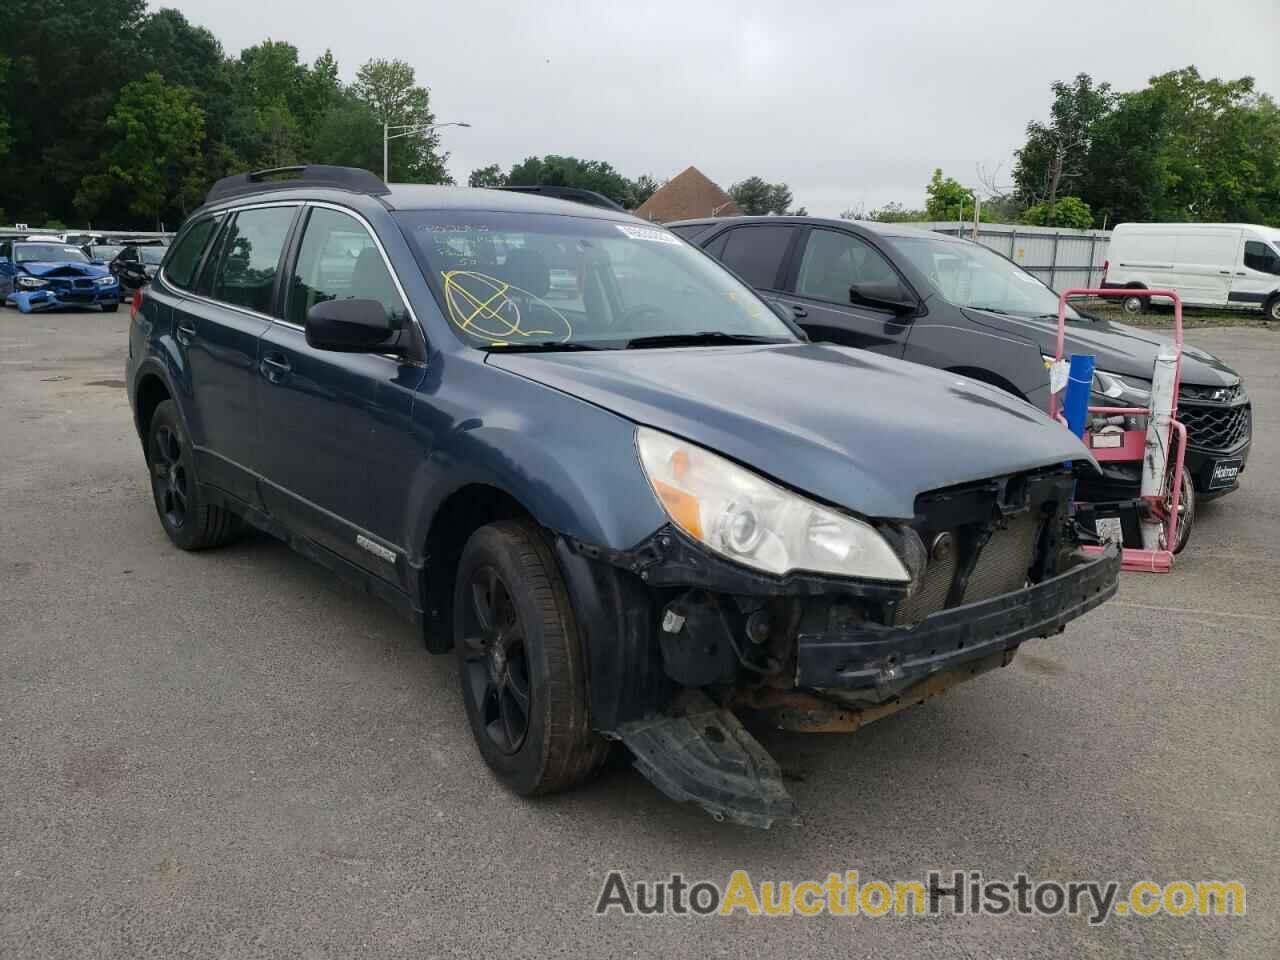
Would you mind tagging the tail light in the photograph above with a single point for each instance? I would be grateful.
(1105, 265)
(136, 305)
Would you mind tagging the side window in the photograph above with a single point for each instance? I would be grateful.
(834, 261)
(6, 249)
(1259, 256)
(185, 256)
(250, 256)
(338, 260)
(688, 231)
(757, 252)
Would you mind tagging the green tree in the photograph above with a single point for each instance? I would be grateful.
(553, 170)
(1067, 212)
(490, 176)
(1187, 148)
(154, 160)
(1055, 155)
(947, 198)
(64, 72)
(756, 197)
(347, 135)
(390, 89)
(4, 117)
(643, 187)
(891, 212)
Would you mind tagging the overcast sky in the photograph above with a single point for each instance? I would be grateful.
(850, 102)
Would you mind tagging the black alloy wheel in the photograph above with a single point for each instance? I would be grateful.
(495, 661)
(169, 476)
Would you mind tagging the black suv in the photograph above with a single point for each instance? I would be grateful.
(951, 303)
(629, 509)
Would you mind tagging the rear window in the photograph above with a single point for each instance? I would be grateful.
(186, 254)
(756, 253)
(250, 257)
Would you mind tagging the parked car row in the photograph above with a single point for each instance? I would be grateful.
(617, 479)
(949, 303)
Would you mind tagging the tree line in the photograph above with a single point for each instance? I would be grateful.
(120, 117)
(1183, 149)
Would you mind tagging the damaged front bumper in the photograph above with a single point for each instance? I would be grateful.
(871, 657)
(669, 661)
(34, 301)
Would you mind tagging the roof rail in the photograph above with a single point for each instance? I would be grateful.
(288, 178)
(574, 194)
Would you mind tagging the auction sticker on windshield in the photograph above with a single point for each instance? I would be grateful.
(647, 233)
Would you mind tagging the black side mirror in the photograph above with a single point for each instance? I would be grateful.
(883, 296)
(352, 326)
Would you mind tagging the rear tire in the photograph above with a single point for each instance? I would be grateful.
(522, 665)
(188, 520)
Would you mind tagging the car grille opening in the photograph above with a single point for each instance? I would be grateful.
(1002, 544)
(1215, 427)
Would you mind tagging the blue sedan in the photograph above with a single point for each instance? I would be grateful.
(48, 275)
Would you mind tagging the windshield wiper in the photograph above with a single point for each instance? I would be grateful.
(540, 346)
(700, 338)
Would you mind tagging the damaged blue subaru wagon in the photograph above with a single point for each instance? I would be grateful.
(593, 463)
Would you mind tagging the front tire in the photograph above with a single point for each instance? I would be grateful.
(1272, 310)
(522, 665)
(188, 520)
(1133, 305)
(110, 307)
(1186, 510)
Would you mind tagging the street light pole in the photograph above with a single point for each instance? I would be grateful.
(407, 130)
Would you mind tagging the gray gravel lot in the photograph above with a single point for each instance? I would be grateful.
(232, 754)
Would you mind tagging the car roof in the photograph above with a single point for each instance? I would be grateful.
(426, 197)
(871, 226)
(420, 196)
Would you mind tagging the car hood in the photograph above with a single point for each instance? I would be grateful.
(63, 268)
(855, 429)
(1117, 347)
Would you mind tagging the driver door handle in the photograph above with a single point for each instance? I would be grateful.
(186, 332)
(274, 367)
(798, 310)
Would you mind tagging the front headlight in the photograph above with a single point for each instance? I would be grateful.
(748, 519)
(32, 282)
(1114, 387)
(105, 281)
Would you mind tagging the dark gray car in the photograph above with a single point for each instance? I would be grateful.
(950, 303)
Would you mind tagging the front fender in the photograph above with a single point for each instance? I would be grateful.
(570, 464)
(553, 473)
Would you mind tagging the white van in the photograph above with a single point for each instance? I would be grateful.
(1209, 264)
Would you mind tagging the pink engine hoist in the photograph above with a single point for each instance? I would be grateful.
(1156, 512)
